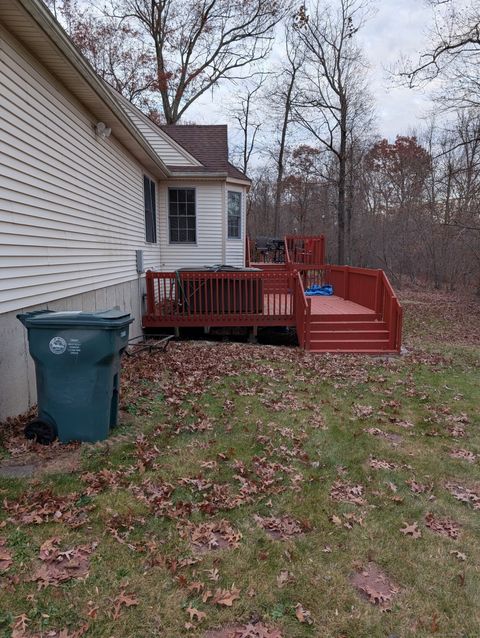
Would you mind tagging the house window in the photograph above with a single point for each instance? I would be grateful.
(150, 210)
(234, 215)
(182, 215)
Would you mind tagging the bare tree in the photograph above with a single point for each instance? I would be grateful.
(333, 87)
(197, 43)
(281, 99)
(115, 51)
(248, 118)
(453, 58)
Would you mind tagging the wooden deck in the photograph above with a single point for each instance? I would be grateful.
(363, 315)
(338, 306)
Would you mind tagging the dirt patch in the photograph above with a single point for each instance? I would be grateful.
(55, 460)
(375, 585)
(281, 527)
(212, 535)
(250, 630)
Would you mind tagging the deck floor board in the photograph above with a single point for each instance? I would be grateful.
(338, 306)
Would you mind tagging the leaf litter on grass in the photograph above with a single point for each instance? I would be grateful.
(58, 566)
(375, 585)
(193, 375)
(281, 527)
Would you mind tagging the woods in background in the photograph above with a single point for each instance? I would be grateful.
(299, 99)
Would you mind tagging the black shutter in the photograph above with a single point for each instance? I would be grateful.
(150, 210)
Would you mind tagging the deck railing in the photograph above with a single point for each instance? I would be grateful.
(303, 312)
(365, 286)
(297, 251)
(305, 251)
(220, 299)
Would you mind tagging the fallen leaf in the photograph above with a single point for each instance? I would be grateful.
(5, 556)
(303, 615)
(226, 597)
(458, 554)
(123, 600)
(283, 578)
(411, 530)
(195, 614)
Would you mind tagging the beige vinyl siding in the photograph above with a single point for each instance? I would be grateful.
(166, 148)
(235, 248)
(71, 204)
(208, 248)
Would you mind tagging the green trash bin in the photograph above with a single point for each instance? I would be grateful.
(77, 364)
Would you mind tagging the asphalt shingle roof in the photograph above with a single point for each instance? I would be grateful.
(208, 144)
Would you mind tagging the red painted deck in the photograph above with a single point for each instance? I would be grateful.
(337, 306)
(364, 315)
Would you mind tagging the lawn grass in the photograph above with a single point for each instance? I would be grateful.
(231, 431)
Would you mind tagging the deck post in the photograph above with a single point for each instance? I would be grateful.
(308, 324)
(346, 274)
(393, 324)
(378, 300)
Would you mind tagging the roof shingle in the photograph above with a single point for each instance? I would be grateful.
(208, 144)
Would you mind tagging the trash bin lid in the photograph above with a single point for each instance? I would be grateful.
(112, 318)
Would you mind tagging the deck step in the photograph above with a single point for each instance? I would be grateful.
(350, 317)
(356, 345)
(382, 351)
(323, 326)
(349, 335)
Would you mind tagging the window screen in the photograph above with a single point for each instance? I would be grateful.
(234, 215)
(182, 215)
(150, 208)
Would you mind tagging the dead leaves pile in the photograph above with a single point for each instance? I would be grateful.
(375, 585)
(281, 527)
(211, 535)
(471, 496)
(347, 493)
(250, 630)
(60, 566)
(444, 526)
(43, 506)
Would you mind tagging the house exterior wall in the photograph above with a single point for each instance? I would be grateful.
(209, 248)
(166, 148)
(71, 215)
(212, 245)
(71, 204)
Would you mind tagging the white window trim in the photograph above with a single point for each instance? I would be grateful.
(182, 243)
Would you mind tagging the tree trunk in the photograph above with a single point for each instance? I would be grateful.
(342, 182)
(281, 155)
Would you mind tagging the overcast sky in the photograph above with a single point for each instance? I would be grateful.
(396, 28)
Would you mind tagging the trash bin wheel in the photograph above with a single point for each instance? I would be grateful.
(42, 431)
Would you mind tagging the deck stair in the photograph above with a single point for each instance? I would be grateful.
(329, 333)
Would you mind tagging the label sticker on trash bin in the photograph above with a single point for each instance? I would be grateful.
(57, 345)
(74, 346)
